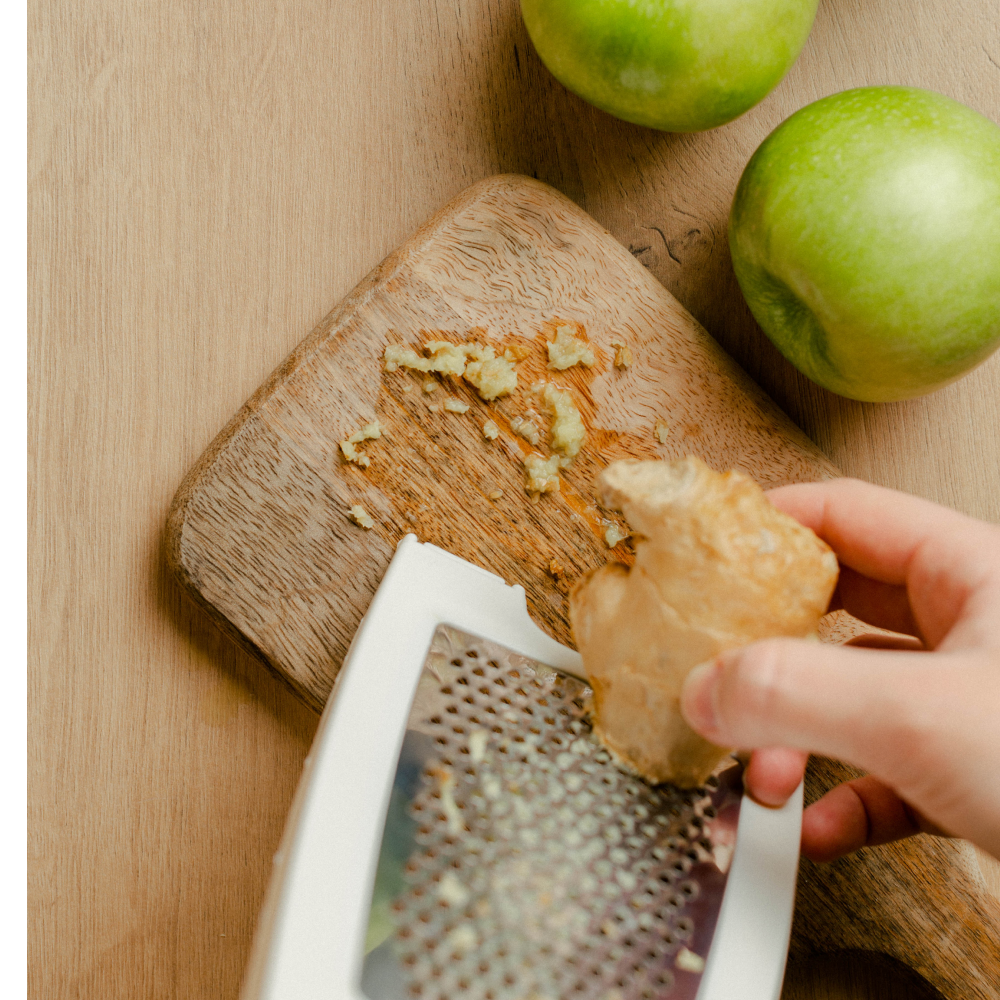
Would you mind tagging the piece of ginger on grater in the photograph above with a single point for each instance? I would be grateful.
(717, 566)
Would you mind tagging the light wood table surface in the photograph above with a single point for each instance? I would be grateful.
(207, 178)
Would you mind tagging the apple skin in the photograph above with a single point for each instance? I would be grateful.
(865, 235)
(675, 65)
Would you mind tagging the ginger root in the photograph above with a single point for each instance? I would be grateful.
(717, 567)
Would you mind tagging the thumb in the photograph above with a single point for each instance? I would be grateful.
(848, 703)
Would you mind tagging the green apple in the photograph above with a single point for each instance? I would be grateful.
(676, 65)
(865, 235)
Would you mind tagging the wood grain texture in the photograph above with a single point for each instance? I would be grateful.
(205, 180)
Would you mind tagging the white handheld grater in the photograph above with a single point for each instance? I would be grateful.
(459, 834)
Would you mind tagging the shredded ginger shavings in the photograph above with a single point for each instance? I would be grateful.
(490, 430)
(516, 352)
(453, 405)
(541, 475)
(452, 891)
(566, 350)
(623, 354)
(442, 356)
(478, 363)
(662, 432)
(567, 432)
(492, 376)
(361, 517)
(347, 446)
(688, 961)
(453, 815)
(614, 535)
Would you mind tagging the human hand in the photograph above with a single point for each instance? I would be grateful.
(924, 724)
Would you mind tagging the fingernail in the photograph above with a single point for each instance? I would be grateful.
(698, 698)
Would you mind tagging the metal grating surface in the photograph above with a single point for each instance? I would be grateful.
(519, 862)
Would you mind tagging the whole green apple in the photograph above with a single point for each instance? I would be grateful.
(865, 235)
(676, 65)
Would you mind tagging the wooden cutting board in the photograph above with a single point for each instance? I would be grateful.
(260, 538)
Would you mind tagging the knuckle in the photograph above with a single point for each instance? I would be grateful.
(759, 680)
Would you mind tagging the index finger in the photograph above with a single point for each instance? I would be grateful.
(874, 530)
(938, 554)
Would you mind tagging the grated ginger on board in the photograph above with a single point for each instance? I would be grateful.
(623, 354)
(614, 535)
(516, 352)
(541, 475)
(490, 430)
(567, 350)
(492, 376)
(567, 432)
(453, 405)
(369, 431)
(361, 517)
(443, 357)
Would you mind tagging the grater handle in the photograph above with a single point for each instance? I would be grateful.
(750, 945)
